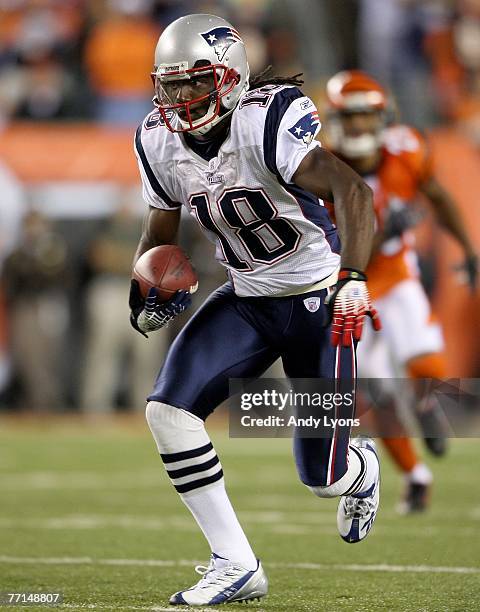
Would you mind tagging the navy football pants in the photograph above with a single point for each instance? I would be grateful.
(240, 337)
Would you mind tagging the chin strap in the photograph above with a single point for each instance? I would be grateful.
(206, 128)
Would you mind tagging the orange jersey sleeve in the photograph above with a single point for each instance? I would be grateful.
(407, 161)
(406, 164)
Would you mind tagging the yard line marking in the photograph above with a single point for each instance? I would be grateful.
(45, 480)
(92, 561)
(273, 522)
(83, 522)
(383, 567)
(51, 480)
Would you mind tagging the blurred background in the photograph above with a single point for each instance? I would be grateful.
(74, 84)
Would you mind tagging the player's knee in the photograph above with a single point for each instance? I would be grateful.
(174, 429)
(155, 413)
(170, 419)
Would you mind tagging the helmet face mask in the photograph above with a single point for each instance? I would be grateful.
(357, 114)
(207, 86)
(201, 71)
(357, 133)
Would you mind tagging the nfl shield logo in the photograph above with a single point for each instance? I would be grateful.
(312, 304)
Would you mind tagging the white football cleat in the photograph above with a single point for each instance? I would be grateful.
(223, 582)
(356, 513)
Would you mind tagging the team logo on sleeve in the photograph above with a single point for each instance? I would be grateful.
(306, 127)
(221, 39)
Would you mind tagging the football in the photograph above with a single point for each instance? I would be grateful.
(166, 268)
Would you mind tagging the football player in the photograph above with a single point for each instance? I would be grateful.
(243, 159)
(395, 162)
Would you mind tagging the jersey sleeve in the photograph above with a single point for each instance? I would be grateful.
(421, 159)
(291, 126)
(411, 146)
(153, 192)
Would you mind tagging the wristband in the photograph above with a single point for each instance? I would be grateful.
(351, 274)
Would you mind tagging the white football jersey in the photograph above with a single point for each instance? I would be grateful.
(273, 237)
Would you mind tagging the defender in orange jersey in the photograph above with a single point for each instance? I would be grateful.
(395, 162)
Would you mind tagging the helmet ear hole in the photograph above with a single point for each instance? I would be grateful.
(201, 63)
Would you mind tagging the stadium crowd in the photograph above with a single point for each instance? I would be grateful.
(64, 316)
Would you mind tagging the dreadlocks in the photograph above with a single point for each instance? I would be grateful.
(266, 78)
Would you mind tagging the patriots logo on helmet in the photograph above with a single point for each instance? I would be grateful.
(306, 127)
(221, 39)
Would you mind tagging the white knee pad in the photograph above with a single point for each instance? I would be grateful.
(174, 429)
(346, 482)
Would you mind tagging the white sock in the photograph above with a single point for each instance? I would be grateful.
(420, 474)
(196, 473)
(216, 517)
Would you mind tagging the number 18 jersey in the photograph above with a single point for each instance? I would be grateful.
(273, 237)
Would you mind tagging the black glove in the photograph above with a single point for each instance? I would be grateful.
(399, 218)
(150, 314)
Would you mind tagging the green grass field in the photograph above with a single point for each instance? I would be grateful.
(88, 510)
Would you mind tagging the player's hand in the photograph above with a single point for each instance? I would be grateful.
(469, 270)
(400, 217)
(149, 314)
(349, 303)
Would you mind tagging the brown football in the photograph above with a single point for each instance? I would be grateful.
(166, 268)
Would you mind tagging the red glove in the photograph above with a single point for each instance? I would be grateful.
(349, 303)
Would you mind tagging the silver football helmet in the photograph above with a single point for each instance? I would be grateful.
(199, 48)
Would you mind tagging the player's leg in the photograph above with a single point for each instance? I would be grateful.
(416, 338)
(331, 466)
(217, 343)
(422, 369)
(380, 389)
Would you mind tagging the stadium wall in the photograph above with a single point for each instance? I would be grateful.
(78, 170)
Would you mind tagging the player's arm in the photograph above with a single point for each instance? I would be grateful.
(147, 315)
(449, 217)
(159, 227)
(326, 176)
